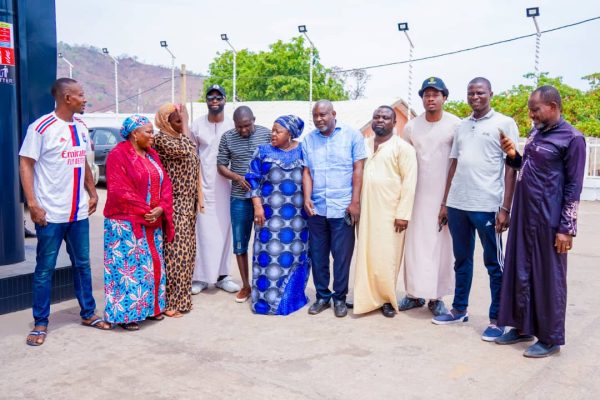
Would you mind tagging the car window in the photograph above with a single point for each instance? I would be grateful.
(101, 137)
(111, 139)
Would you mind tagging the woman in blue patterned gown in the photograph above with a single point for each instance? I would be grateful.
(280, 263)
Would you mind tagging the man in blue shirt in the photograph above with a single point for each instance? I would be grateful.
(334, 155)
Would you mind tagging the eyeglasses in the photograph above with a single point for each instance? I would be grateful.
(211, 98)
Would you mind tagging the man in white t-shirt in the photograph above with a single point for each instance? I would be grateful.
(479, 192)
(60, 193)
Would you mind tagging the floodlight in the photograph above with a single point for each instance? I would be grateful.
(533, 12)
(302, 28)
(224, 36)
(403, 26)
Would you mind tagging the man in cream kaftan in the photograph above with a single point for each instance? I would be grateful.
(428, 259)
(389, 182)
(213, 226)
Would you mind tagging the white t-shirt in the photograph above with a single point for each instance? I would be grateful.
(59, 148)
(478, 183)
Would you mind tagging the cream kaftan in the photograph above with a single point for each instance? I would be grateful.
(213, 227)
(428, 258)
(389, 181)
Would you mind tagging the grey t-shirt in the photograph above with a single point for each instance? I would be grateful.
(235, 152)
(478, 183)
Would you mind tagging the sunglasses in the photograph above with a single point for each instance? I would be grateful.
(211, 98)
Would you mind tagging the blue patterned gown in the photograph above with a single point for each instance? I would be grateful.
(280, 263)
(134, 267)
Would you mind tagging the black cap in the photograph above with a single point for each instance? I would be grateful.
(435, 83)
(218, 88)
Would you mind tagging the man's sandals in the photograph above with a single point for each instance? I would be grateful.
(97, 322)
(36, 337)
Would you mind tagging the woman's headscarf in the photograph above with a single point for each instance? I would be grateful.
(162, 119)
(292, 123)
(132, 123)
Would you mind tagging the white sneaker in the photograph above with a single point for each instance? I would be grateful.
(198, 286)
(228, 285)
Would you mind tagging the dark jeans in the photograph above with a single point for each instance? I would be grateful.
(462, 225)
(335, 236)
(49, 238)
(242, 219)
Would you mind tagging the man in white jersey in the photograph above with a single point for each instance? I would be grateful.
(60, 193)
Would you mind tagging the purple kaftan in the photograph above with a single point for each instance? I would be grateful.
(534, 286)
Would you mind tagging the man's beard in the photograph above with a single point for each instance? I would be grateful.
(381, 131)
(217, 111)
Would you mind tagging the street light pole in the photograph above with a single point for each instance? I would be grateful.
(61, 56)
(226, 39)
(302, 29)
(164, 45)
(403, 27)
(105, 51)
(532, 13)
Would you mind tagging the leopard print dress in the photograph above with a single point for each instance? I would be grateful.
(180, 160)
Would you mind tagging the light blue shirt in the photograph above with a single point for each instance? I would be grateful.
(330, 160)
(478, 183)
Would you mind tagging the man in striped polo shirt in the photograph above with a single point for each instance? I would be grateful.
(235, 152)
(60, 193)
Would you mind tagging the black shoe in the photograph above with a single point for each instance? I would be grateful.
(388, 311)
(29, 234)
(318, 306)
(339, 308)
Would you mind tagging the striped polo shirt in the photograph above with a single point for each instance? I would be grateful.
(235, 152)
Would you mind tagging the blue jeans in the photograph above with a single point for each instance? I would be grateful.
(462, 225)
(242, 219)
(49, 238)
(335, 236)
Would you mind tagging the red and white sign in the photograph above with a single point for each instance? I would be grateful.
(7, 56)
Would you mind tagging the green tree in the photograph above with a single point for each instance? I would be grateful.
(580, 108)
(281, 73)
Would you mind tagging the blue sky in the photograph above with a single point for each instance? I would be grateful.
(351, 34)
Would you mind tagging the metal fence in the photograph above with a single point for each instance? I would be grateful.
(593, 159)
(592, 168)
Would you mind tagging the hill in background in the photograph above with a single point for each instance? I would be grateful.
(96, 72)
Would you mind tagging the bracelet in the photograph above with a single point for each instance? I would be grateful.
(443, 205)
(505, 209)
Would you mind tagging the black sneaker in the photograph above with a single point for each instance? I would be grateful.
(339, 308)
(319, 306)
(437, 307)
(407, 303)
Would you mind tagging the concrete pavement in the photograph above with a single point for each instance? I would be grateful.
(221, 350)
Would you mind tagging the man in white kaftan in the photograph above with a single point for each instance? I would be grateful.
(428, 259)
(213, 226)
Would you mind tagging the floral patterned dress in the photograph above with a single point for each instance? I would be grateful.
(134, 267)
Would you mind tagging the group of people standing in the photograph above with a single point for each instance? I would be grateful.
(179, 201)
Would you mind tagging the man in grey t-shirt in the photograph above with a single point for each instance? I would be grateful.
(479, 192)
(235, 152)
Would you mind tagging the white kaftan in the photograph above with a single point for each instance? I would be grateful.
(428, 258)
(213, 227)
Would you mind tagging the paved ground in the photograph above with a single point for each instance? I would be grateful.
(221, 350)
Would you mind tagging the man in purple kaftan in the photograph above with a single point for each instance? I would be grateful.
(543, 224)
